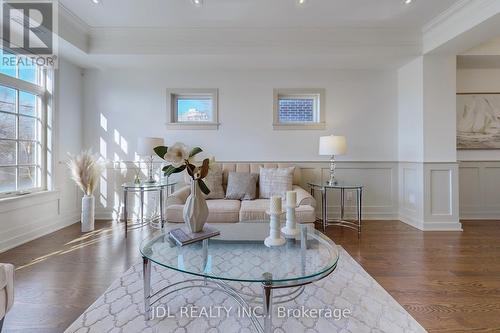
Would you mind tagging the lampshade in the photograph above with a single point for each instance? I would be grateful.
(332, 145)
(145, 145)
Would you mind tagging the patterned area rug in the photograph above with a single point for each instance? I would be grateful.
(349, 300)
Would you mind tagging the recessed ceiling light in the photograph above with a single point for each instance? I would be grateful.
(301, 2)
(96, 2)
(197, 2)
(407, 2)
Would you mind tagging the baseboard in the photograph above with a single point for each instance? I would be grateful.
(104, 215)
(495, 215)
(442, 226)
(411, 221)
(60, 222)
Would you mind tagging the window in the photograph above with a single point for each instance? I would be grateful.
(299, 109)
(192, 108)
(23, 105)
(24, 71)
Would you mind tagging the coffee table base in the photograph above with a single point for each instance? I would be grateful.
(266, 299)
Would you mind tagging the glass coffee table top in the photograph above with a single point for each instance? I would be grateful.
(240, 254)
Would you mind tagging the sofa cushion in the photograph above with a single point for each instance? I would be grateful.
(242, 186)
(219, 211)
(256, 210)
(275, 181)
(255, 168)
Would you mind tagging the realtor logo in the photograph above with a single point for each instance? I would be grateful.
(28, 28)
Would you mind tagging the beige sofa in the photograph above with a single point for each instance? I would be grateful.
(232, 211)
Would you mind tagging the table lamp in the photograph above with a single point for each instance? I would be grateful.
(332, 145)
(145, 148)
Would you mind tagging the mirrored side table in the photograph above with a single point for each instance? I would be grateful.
(341, 221)
(161, 187)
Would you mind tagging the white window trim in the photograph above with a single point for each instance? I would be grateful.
(42, 91)
(317, 125)
(172, 122)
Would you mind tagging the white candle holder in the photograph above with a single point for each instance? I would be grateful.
(275, 238)
(290, 229)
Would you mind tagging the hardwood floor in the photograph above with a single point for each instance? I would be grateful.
(449, 281)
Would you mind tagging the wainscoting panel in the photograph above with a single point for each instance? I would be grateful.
(428, 195)
(379, 196)
(479, 190)
(379, 189)
(411, 193)
(441, 192)
(31, 216)
(441, 197)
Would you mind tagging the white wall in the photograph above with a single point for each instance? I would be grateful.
(28, 217)
(121, 105)
(410, 115)
(440, 108)
(359, 104)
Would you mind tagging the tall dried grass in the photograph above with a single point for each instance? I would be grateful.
(86, 169)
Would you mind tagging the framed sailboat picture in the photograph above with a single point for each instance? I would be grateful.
(478, 120)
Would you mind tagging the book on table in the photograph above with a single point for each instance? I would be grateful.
(182, 236)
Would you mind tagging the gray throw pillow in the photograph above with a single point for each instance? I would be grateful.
(241, 186)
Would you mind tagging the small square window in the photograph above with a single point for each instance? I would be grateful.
(299, 109)
(192, 108)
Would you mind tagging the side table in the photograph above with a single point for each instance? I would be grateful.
(323, 188)
(143, 187)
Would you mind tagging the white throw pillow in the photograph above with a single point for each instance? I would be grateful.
(275, 181)
(213, 180)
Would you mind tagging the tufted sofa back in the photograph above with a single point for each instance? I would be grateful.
(228, 167)
(255, 168)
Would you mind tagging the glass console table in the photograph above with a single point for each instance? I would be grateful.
(341, 221)
(277, 274)
(141, 188)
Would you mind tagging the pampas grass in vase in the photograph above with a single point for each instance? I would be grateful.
(86, 169)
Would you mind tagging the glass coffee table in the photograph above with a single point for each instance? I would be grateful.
(238, 256)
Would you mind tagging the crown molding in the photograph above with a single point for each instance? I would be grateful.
(462, 26)
(439, 19)
(73, 18)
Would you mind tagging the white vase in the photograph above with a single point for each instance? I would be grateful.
(88, 213)
(195, 211)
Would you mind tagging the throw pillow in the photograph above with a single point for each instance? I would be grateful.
(275, 181)
(214, 182)
(241, 186)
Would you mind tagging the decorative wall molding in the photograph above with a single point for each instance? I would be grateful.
(481, 199)
(461, 19)
(441, 197)
(36, 227)
(410, 203)
(428, 195)
(379, 178)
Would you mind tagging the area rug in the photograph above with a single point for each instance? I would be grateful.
(347, 301)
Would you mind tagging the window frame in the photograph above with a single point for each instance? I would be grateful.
(319, 96)
(173, 96)
(42, 91)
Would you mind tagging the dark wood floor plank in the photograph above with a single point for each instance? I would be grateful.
(449, 281)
